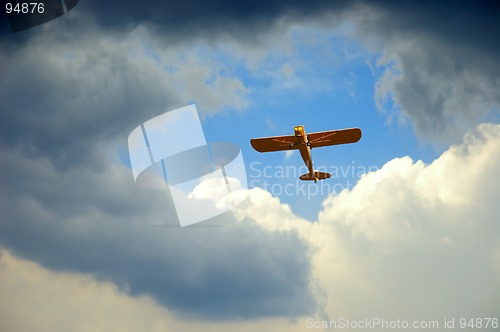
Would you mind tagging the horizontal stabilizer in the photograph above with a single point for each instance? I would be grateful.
(317, 176)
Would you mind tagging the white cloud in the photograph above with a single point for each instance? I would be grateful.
(409, 241)
(289, 154)
(33, 298)
(215, 189)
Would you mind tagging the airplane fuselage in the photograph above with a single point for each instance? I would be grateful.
(304, 148)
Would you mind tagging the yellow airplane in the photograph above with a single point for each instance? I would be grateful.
(305, 142)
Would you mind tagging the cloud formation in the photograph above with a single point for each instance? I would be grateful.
(409, 241)
(64, 301)
(27, 289)
(440, 60)
(66, 222)
(62, 96)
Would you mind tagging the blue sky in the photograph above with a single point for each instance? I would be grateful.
(330, 85)
(325, 81)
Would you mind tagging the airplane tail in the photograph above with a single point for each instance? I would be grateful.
(317, 176)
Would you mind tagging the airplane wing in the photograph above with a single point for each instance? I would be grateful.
(334, 137)
(275, 143)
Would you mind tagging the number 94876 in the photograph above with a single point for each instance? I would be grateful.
(24, 8)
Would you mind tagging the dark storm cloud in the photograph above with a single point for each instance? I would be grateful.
(438, 90)
(194, 18)
(98, 224)
(62, 97)
(447, 54)
(443, 94)
(457, 44)
(61, 107)
(469, 24)
(66, 104)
